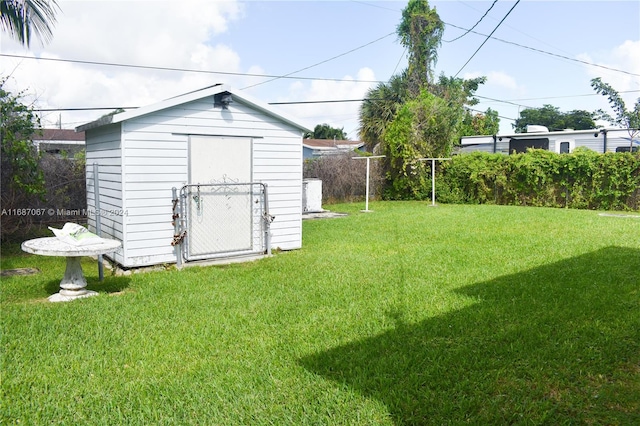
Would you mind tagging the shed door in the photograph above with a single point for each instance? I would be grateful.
(219, 160)
(221, 216)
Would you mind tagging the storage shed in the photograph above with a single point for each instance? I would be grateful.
(235, 162)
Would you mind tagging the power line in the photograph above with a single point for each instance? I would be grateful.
(487, 39)
(321, 62)
(518, 44)
(326, 101)
(474, 25)
(157, 68)
(570, 96)
(549, 53)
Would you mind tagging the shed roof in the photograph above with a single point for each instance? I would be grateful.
(58, 135)
(190, 97)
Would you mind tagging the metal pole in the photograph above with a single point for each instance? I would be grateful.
(433, 182)
(366, 204)
(433, 176)
(96, 194)
(267, 219)
(176, 226)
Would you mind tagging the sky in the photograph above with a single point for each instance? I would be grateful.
(540, 52)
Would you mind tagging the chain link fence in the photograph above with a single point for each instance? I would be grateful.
(222, 219)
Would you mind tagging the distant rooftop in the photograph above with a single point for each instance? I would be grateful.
(59, 135)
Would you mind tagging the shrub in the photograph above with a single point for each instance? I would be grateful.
(582, 179)
(344, 179)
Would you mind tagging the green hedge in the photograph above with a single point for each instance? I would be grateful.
(583, 179)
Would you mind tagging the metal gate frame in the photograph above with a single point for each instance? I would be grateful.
(183, 213)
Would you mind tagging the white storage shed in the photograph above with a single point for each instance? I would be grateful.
(217, 147)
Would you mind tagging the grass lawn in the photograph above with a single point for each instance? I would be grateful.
(407, 315)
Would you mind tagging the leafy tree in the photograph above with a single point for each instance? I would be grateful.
(21, 178)
(487, 123)
(554, 119)
(624, 118)
(420, 32)
(459, 93)
(23, 19)
(324, 131)
(579, 120)
(423, 127)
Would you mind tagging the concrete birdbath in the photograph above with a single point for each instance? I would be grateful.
(73, 284)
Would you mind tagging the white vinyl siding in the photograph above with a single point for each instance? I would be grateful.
(103, 147)
(144, 157)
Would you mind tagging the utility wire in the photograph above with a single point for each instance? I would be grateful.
(300, 78)
(474, 25)
(549, 53)
(487, 39)
(517, 44)
(149, 67)
(509, 101)
(321, 62)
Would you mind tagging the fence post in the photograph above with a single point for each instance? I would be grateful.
(267, 219)
(177, 247)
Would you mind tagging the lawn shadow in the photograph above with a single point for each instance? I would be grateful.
(108, 285)
(555, 344)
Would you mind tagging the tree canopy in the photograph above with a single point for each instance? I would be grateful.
(325, 131)
(552, 118)
(487, 123)
(380, 107)
(420, 32)
(624, 118)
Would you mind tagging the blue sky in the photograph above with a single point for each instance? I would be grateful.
(345, 46)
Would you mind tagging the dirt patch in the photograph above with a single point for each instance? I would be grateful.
(19, 271)
(326, 214)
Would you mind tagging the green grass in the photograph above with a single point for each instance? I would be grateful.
(407, 315)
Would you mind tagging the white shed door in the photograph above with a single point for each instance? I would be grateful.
(221, 215)
(219, 160)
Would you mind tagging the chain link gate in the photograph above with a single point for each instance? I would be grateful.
(221, 219)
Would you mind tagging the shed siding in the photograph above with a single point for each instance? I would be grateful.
(283, 176)
(155, 158)
(104, 148)
(154, 162)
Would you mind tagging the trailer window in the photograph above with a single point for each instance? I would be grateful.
(626, 149)
(564, 147)
(521, 145)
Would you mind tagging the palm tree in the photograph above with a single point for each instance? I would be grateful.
(23, 19)
(380, 107)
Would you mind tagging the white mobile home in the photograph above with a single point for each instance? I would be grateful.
(214, 143)
(599, 140)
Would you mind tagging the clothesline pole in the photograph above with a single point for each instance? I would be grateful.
(433, 176)
(366, 203)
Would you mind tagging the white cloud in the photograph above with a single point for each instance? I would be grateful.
(336, 114)
(153, 33)
(623, 57)
(497, 80)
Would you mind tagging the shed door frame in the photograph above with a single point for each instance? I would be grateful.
(220, 221)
